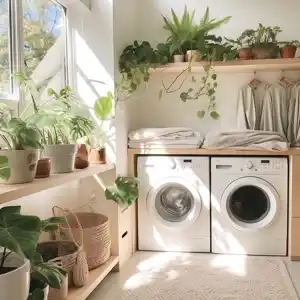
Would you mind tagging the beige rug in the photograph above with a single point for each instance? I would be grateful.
(207, 277)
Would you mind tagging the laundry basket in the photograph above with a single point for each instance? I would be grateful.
(96, 235)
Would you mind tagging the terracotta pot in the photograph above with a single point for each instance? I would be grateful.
(97, 156)
(43, 168)
(193, 55)
(245, 53)
(260, 53)
(178, 58)
(82, 157)
(288, 51)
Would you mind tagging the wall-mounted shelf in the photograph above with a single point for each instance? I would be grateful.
(15, 191)
(95, 278)
(236, 65)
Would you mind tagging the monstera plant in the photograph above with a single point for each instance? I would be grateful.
(20, 141)
(19, 261)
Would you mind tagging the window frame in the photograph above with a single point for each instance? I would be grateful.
(16, 44)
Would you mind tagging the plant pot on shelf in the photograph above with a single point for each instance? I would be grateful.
(82, 157)
(61, 293)
(43, 168)
(62, 157)
(97, 156)
(18, 166)
(38, 285)
(14, 278)
(245, 53)
(288, 51)
(265, 51)
(178, 58)
(193, 55)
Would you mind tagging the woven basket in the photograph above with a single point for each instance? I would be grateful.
(74, 263)
(96, 235)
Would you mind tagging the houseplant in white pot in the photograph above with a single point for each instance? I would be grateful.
(20, 144)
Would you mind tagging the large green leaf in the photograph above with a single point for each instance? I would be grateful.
(37, 294)
(5, 170)
(52, 223)
(19, 233)
(103, 106)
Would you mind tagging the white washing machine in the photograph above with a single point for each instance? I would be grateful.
(174, 203)
(249, 203)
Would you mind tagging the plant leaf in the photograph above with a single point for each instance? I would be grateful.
(103, 107)
(201, 114)
(214, 115)
(5, 170)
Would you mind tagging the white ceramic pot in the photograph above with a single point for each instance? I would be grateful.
(62, 157)
(15, 284)
(18, 166)
(178, 58)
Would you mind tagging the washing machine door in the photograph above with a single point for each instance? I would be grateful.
(250, 203)
(174, 203)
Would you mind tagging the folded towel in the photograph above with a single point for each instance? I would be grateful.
(247, 139)
(172, 133)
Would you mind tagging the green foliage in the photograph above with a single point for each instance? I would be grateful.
(290, 43)
(124, 192)
(5, 170)
(103, 106)
(55, 116)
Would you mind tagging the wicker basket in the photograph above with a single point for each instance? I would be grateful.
(96, 236)
(67, 253)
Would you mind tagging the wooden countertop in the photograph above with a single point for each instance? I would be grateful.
(201, 151)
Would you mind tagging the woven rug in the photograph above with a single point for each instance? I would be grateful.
(207, 277)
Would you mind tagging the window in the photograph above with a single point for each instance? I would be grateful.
(37, 45)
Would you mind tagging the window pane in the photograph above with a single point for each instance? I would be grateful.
(5, 61)
(45, 42)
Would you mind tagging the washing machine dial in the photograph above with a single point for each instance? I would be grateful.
(249, 165)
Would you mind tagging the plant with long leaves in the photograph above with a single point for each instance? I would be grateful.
(56, 116)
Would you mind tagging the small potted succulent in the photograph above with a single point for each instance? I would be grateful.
(21, 140)
(288, 49)
(265, 43)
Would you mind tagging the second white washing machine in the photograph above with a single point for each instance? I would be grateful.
(174, 203)
(249, 203)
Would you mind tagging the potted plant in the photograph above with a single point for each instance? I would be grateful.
(265, 42)
(124, 191)
(244, 43)
(20, 152)
(59, 125)
(289, 48)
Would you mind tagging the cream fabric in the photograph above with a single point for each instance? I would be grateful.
(248, 139)
(250, 106)
(275, 109)
(294, 117)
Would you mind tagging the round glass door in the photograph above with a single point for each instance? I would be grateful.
(174, 202)
(249, 203)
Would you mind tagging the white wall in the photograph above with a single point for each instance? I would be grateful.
(148, 111)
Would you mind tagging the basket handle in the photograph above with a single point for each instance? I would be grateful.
(67, 212)
(86, 205)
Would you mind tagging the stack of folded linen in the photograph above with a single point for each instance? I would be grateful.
(173, 137)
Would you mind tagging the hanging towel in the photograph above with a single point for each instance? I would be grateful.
(294, 117)
(250, 106)
(246, 139)
(172, 133)
(275, 109)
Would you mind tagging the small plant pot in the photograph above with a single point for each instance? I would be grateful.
(61, 293)
(193, 55)
(245, 53)
(82, 157)
(62, 157)
(288, 51)
(14, 284)
(260, 53)
(18, 166)
(43, 168)
(36, 284)
(178, 58)
(97, 156)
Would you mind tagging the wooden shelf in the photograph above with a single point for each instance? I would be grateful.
(181, 151)
(15, 191)
(236, 65)
(95, 278)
